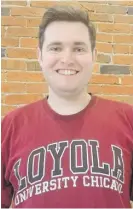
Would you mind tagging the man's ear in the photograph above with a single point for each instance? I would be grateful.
(39, 56)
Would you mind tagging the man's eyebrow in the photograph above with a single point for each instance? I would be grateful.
(80, 43)
(58, 43)
(54, 43)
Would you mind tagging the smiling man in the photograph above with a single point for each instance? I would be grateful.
(71, 149)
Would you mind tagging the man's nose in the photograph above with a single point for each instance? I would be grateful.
(67, 57)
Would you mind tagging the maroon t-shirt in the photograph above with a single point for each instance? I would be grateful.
(77, 161)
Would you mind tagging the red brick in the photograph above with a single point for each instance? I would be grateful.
(123, 59)
(6, 109)
(37, 88)
(123, 39)
(131, 69)
(27, 11)
(104, 37)
(131, 49)
(125, 99)
(123, 19)
(43, 4)
(17, 99)
(3, 75)
(14, 3)
(13, 87)
(90, 7)
(33, 66)
(101, 17)
(114, 28)
(111, 89)
(29, 42)
(104, 79)
(3, 98)
(13, 64)
(127, 80)
(103, 47)
(46, 4)
(131, 29)
(33, 22)
(21, 53)
(22, 32)
(9, 42)
(25, 76)
(3, 30)
(123, 3)
(121, 49)
(102, 58)
(13, 21)
(110, 9)
(96, 68)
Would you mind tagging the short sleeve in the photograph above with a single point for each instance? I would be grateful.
(131, 185)
(6, 187)
(130, 119)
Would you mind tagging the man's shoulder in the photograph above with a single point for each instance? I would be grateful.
(114, 104)
(25, 110)
(116, 107)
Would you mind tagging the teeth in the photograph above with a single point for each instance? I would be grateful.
(67, 72)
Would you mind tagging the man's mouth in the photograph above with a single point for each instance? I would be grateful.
(67, 72)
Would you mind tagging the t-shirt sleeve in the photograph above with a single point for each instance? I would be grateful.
(6, 187)
(6, 190)
(131, 186)
(129, 114)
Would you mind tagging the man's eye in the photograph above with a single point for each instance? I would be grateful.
(55, 49)
(79, 49)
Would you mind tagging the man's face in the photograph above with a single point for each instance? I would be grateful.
(66, 57)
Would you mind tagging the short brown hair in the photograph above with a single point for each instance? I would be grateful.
(66, 13)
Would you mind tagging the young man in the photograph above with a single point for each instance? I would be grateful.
(71, 149)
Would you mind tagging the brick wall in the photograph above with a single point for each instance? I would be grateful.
(22, 80)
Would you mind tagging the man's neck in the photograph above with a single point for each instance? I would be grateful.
(69, 105)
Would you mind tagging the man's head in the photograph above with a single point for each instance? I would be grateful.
(66, 13)
(66, 49)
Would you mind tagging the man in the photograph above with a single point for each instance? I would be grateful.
(71, 149)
